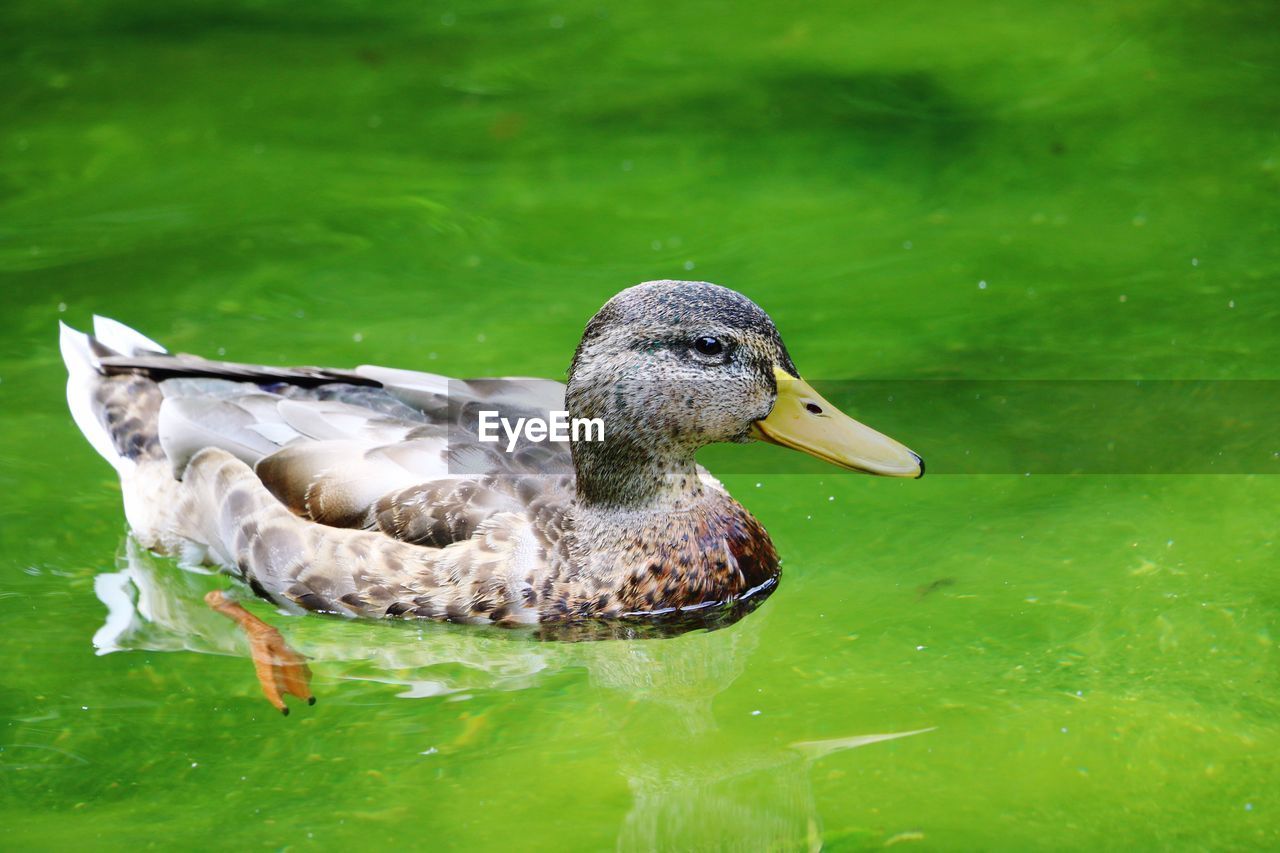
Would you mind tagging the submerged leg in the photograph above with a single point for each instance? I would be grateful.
(280, 669)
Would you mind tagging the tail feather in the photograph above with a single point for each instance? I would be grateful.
(83, 376)
(123, 340)
(116, 414)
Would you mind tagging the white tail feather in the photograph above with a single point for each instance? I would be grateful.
(122, 339)
(82, 374)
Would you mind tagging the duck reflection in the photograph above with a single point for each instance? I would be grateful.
(694, 786)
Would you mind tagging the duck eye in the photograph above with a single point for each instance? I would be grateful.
(708, 345)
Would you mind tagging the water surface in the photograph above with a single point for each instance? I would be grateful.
(920, 191)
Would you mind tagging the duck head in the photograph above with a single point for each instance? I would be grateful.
(671, 366)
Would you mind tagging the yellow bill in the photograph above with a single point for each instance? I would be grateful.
(801, 419)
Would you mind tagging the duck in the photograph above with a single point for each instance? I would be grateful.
(380, 493)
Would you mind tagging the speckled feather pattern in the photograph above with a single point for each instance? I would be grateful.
(332, 491)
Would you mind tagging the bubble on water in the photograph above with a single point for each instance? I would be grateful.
(758, 485)
(656, 245)
(1064, 730)
(907, 244)
(982, 285)
(755, 713)
(1231, 303)
(480, 338)
(1248, 807)
(357, 337)
(62, 307)
(831, 497)
(688, 265)
(1195, 262)
(1124, 298)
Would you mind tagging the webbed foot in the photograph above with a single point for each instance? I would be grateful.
(280, 669)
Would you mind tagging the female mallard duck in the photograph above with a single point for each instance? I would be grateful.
(370, 493)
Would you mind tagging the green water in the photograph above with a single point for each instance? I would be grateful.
(458, 189)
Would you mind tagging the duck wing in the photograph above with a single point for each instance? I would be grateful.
(377, 448)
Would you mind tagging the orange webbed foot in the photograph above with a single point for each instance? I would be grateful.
(280, 669)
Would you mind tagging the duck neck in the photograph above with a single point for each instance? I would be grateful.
(620, 475)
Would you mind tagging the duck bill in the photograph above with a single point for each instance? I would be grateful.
(803, 420)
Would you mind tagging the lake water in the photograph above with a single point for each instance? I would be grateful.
(978, 191)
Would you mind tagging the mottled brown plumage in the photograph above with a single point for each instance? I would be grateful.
(368, 492)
